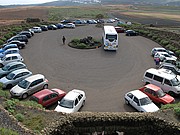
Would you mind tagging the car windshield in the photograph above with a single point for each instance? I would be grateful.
(175, 82)
(145, 101)
(66, 103)
(160, 93)
(5, 68)
(10, 76)
(23, 84)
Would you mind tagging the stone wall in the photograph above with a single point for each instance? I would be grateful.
(129, 123)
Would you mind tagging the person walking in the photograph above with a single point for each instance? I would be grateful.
(157, 61)
(64, 40)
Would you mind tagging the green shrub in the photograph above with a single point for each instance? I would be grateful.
(177, 111)
(164, 42)
(75, 41)
(150, 35)
(4, 94)
(6, 131)
(81, 46)
(154, 37)
(3, 39)
(10, 105)
(1, 42)
(31, 103)
(177, 53)
(19, 117)
(158, 40)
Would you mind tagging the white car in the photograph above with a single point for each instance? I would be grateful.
(164, 56)
(140, 101)
(157, 49)
(37, 29)
(10, 58)
(71, 102)
(69, 25)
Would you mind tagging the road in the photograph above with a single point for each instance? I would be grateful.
(105, 76)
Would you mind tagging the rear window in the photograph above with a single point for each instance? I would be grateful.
(33, 98)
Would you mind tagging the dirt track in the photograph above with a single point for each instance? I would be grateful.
(105, 76)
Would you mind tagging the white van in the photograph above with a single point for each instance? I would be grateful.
(169, 83)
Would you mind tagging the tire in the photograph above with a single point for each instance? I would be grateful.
(1, 65)
(127, 102)
(172, 93)
(45, 86)
(83, 103)
(24, 96)
(9, 86)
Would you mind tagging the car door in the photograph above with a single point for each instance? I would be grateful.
(35, 86)
(12, 68)
(135, 104)
(18, 78)
(76, 105)
(7, 60)
(166, 86)
(14, 58)
(52, 98)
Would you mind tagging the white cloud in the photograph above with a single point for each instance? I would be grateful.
(12, 2)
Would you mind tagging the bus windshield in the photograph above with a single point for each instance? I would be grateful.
(111, 36)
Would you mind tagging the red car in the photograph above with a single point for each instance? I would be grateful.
(48, 97)
(156, 94)
(119, 29)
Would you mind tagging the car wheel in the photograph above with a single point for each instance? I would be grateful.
(172, 93)
(126, 101)
(1, 65)
(45, 86)
(9, 86)
(25, 95)
(83, 103)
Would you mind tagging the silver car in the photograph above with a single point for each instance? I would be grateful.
(15, 77)
(29, 86)
(11, 67)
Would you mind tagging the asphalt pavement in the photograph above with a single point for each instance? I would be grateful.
(105, 76)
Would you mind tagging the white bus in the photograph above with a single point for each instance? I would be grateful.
(110, 38)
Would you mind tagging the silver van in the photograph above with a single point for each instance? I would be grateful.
(168, 82)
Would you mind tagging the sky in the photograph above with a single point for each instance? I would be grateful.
(13, 2)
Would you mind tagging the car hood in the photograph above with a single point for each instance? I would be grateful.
(4, 80)
(150, 108)
(167, 99)
(1, 50)
(63, 109)
(2, 72)
(1, 55)
(17, 89)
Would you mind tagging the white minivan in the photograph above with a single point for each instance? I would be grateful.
(169, 83)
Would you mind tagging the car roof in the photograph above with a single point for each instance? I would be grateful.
(42, 93)
(12, 49)
(11, 45)
(71, 95)
(168, 64)
(20, 71)
(34, 77)
(13, 54)
(153, 87)
(14, 63)
(159, 48)
(160, 73)
(139, 94)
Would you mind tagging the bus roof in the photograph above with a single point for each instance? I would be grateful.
(109, 30)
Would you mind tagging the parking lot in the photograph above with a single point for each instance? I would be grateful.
(105, 76)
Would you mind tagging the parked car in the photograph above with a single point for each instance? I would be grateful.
(10, 58)
(14, 78)
(48, 97)
(156, 94)
(91, 21)
(119, 29)
(168, 82)
(131, 33)
(52, 27)
(44, 27)
(11, 67)
(9, 51)
(140, 101)
(71, 102)
(171, 67)
(8, 46)
(29, 85)
(164, 56)
(37, 29)
(60, 26)
(22, 38)
(18, 43)
(160, 49)
(26, 33)
(69, 25)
